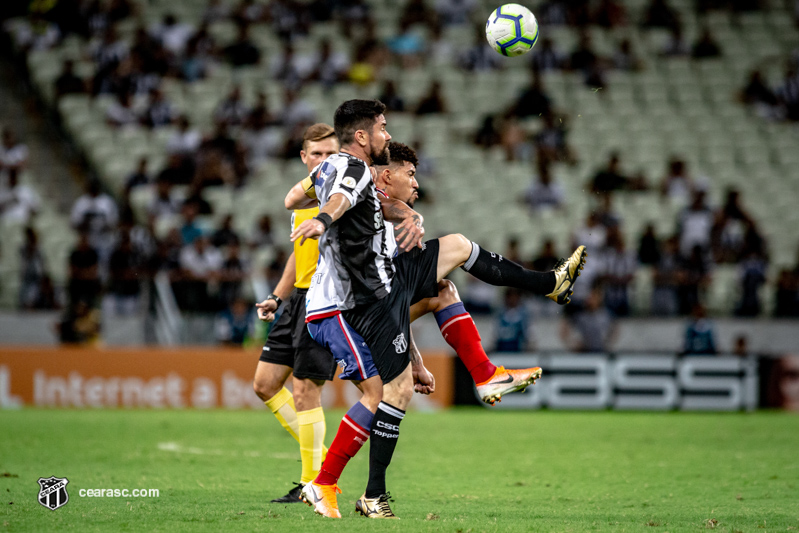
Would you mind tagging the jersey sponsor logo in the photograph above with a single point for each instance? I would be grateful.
(400, 344)
(384, 425)
(378, 219)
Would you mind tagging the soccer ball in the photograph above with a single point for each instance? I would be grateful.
(512, 30)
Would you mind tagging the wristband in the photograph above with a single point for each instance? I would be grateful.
(276, 298)
(325, 219)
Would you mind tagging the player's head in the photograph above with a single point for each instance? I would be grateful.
(360, 124)
(318, 143)
(398, 177)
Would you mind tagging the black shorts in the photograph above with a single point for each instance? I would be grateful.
(290, 344)
(385, 324)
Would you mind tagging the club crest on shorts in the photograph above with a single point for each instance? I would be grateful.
(400, 344)
(53, 492)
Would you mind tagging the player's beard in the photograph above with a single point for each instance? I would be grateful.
(382, 158)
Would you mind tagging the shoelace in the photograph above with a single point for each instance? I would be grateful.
(382, 504)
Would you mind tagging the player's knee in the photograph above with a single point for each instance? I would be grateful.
(264, 388)
(447, 294)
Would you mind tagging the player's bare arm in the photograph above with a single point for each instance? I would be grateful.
(423, 380)
(335, 207)
(301, 196)
(408, 229)
(267, 308)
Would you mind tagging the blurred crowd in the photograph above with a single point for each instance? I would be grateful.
(117, 255)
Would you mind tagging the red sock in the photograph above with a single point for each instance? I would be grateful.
(458, 329)
(352, 434)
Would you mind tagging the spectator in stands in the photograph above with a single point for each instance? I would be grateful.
(592, 329)
(236, 324)
(416, 12)
(547, 258)
(32, 270)
(550, 141)
(138, 177)
(288, 68)
(124, 282)
(262, 233)
(97, 212)
(675, 44)
(232, 274)
(514, 140)
(649, 246)
(544, 193)
(67, 82)
(787, 294)
(625, 59)
(184, 141)
(407, 45)
(607, 215)
(479, 57)
(729, 230)
(200, 264)
(249, 12)
(13, 153)
(215, 11)
(706, 46)
(19, 203)
(532, 102)
(440, 50)
(165, 202)
(547, 56)
(84, 271)
(225, 235)
(693, 279)
(433, 102)
(610, 14)
(758, 94)
(752, 276)
(275, 268)
(583, 58)
(108, 51)
(190, 230)
(610, 178)
(328, 66)
(261, 139)
(677, 185)
(512, 320)
(658, 14)
(694, 225)
(194, 65)
(80, 324)
(172, 34)
(455, 12)
(242, 52)
(159, 111)
(699, 335)
(121, 112)
(389, 96)
(231, 109)
(195, 196)
(788, 94)
(487, 136)
(618, 272)
(297, 113)
(593, 233)
(666, 279)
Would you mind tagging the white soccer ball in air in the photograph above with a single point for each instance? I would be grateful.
(512, 30)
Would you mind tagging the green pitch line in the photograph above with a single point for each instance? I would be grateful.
(457, 471)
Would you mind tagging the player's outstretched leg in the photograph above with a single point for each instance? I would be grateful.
(456, 250)
(460, 332)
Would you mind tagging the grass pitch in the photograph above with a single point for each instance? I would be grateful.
(467, 469)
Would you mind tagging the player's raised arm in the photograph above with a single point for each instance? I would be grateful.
(302, 195)
(408, 229)
(313, 228)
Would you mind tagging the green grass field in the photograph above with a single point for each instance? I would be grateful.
(467, 469)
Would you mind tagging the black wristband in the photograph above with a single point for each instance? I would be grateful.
(276, 298)
(325, 219)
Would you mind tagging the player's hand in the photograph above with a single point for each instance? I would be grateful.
(409, 233)
(423, 380)
(266, 310)
(309, 229)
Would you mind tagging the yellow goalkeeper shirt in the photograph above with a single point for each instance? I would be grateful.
(307, 255)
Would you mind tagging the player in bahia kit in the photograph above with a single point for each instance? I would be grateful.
(375, 290)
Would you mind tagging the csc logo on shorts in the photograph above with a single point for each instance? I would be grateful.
(400, 344)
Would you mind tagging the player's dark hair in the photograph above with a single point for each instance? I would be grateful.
(354, 115)
(317, 132)
(402, 153)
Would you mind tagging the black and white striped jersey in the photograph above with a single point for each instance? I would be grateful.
(355, 248)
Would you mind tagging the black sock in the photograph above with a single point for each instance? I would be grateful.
(383, 440)
(496, 270)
